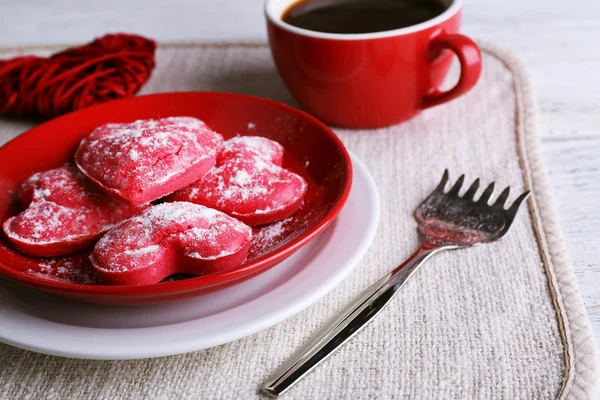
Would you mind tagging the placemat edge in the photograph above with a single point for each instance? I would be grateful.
(581, 377)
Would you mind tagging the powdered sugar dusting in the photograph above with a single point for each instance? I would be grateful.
(143, 250)
(183, 228)
(63, 208)
(247, 180)
(253, 146)
(134, 155)
(46, 223)
(222, 254)
(269, 233)
(41, 193)
(146, 153)
(76, 269)
(241, 178)
(267, 237)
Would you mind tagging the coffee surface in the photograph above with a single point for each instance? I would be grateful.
(360, 16)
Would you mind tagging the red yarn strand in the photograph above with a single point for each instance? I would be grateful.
(111, 67)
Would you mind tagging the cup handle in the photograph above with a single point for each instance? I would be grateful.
(469, 55)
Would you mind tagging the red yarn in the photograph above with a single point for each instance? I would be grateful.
(111, 67)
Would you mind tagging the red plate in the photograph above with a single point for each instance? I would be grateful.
(312, 150)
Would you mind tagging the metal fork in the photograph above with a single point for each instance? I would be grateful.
(446, 221)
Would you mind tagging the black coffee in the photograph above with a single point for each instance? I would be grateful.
(361, 16)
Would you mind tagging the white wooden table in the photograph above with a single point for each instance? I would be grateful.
(557, 39)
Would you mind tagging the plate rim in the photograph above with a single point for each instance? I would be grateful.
(264, 321)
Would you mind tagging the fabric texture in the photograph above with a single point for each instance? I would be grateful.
(502, 320)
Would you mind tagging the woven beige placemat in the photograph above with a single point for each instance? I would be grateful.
(503, 320)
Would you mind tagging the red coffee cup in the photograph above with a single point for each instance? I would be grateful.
(372, 79)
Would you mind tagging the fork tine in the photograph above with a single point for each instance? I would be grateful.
(485, 196)
(456, 188)
(515, 205)
(502, 198)
(472, 190)
(442, 184)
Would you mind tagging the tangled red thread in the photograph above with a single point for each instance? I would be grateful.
(111, 67)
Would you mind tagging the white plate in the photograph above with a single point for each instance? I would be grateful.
(44, 323)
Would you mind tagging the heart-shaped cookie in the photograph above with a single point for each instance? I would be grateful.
(248, 183)
(148, 159)
(170, 238)
(64, 213)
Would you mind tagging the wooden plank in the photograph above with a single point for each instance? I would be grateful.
(60, 21)
(563, 73)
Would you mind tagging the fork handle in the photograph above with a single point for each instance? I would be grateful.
(345, 324)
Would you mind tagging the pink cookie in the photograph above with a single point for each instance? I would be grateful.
(148, 159)
(169, 238)
(64, 213)
(248, 183)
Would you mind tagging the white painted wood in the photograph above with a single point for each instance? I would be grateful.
(57, 21)
(556, 39)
